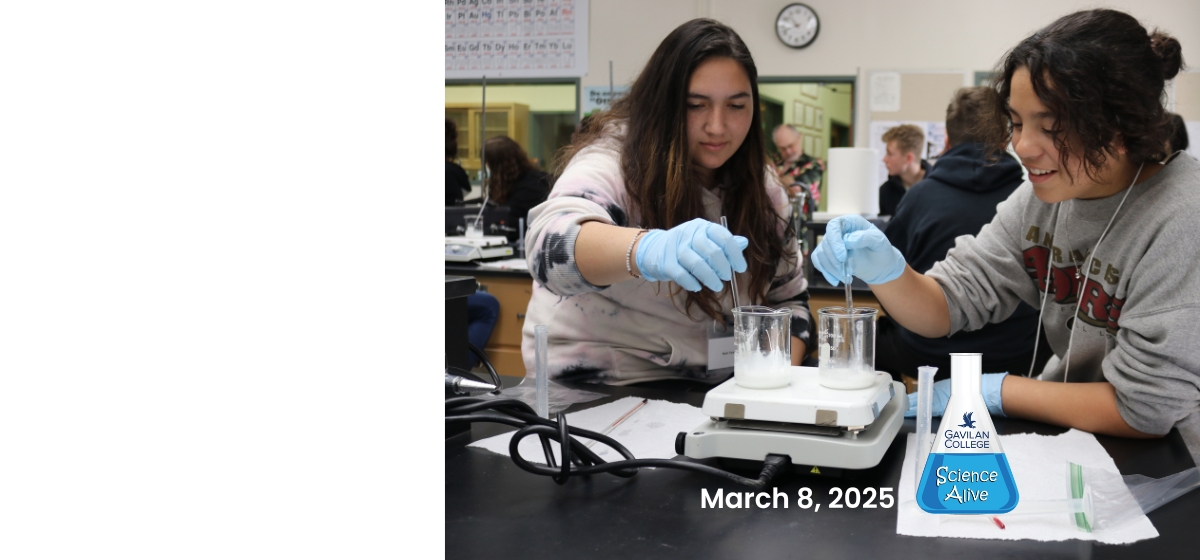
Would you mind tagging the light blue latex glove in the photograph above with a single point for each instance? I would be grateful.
(690, 254)
(990, 385)
(854, 247)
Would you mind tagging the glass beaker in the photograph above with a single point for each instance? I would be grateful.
(474, 226)
(762, 347)
(847, 348)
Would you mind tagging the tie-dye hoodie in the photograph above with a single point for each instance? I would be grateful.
(633, 330)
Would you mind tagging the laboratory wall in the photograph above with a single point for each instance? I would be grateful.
(861, 36)
(541, 98)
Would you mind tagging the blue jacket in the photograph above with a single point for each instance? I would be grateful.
(958, 197)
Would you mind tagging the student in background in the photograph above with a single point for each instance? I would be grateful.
(904, 165)
(457, 182)
(1101, 238)
(957, 197)
(796, 169)
(514, 181)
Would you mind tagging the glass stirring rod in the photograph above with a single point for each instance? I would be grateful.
(618, 421)
(733, 274)
(849, 297)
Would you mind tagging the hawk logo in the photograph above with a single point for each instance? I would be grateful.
(967, 421)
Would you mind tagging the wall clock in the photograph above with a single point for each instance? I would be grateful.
(797, 26)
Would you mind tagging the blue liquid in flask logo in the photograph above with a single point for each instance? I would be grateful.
(967, 471)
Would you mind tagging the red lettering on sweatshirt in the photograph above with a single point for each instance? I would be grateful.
(1035, 264)
(1114, 314)
(1096, 306)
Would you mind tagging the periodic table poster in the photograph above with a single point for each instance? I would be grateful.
(516, 38)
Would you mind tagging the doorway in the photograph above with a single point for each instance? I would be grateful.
(820, 108)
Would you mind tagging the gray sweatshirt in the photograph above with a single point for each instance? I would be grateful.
(1137, 325)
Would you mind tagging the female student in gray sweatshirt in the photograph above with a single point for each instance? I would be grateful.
(1101, 239)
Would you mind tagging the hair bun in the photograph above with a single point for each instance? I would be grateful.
(1169, 51)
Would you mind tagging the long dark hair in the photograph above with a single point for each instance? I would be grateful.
(661, 181)
(1102, 75)
(451, 139)
(506, 161)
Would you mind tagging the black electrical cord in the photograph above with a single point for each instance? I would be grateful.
(577, 459)
(488, 364)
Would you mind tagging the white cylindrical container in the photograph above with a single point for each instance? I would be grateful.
(853, 181)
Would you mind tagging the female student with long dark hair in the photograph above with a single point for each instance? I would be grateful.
(627, 254)
(513, 180)
(1102, 238)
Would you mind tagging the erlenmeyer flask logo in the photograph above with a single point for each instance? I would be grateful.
(966, 471)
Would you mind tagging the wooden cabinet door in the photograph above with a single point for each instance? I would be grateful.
(504, 346)
(513, 294)
(503, 119)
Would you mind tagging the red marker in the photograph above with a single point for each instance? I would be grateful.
(999, 523)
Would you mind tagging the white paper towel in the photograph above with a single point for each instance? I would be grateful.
(648, 434)
(1039, 467)
(853, 186)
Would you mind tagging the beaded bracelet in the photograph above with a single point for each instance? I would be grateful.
(629, 253)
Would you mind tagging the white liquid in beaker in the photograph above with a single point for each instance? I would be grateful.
(755, 370)
(842, 378)
(847, 347)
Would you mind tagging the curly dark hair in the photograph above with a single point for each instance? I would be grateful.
(1179, 138)
(1102, 75)
(506, 161)
(660, 179)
